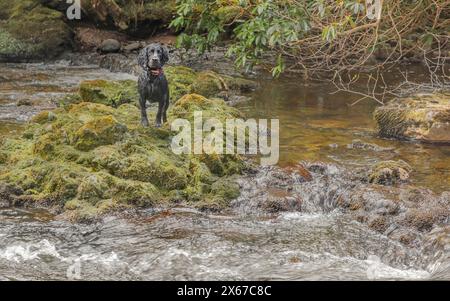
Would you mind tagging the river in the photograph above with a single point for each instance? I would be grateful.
(185, 244)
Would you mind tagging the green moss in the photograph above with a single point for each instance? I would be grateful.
(180, 80)
(225, 189)
(111, 93)
(153, 167)
(211, 84)
(389, 172)
(99, 131)
(216, 108)
(90, 159)
(135, 17)
(43, 117)
(3, 157)
(44, 145)
(28, 30)
(155, 11)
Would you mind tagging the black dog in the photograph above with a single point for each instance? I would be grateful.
(152, 84)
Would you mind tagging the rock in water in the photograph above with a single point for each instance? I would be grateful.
(110, 46)
(389, 172)
(424, 117)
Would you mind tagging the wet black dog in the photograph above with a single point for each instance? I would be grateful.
(152, 84)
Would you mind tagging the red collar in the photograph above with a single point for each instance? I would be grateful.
(157, 72)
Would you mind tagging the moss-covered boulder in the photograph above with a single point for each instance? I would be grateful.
(182, 80)
(389, 172)
(87, 159)
(216, 108)
(211, 84)
(139, 17)
(111, 93)
(422, 117)
(29, 30)
(99, 131)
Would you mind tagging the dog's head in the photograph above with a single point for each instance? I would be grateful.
(153, 57)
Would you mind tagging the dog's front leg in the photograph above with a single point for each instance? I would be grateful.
(166, 107)
(143, 105)
(161, 106)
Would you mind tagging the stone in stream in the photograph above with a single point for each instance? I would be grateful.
(423, 117)
(389, 172)
(358, 144)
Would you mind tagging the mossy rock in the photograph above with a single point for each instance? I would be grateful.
(389, 172)
(180, 80)
(90, 159)
(227, 189)
(29, 30)
(422, 117)
(209, 84)
(210, 108)
(155, 168)
(99, 131)
(130, 16)
(111, 93)
(3, 157)
(212, 84)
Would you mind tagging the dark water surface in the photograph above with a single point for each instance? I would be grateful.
(316, 125)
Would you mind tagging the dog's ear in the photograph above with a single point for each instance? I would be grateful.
(143, 57)
(165, 54)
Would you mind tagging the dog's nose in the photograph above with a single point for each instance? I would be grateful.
(155, 60)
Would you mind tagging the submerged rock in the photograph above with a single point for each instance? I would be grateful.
(29, 30)
(422, 117)
(358, 144)
(87, 159)
(389, 172)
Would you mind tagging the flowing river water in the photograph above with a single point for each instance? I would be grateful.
(185, 244)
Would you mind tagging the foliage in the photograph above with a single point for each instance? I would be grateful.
(311, 35)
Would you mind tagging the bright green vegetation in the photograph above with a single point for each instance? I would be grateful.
(310, 36)
(182, 80)
(92, 156)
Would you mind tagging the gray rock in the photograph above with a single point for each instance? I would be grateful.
(110, 46)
